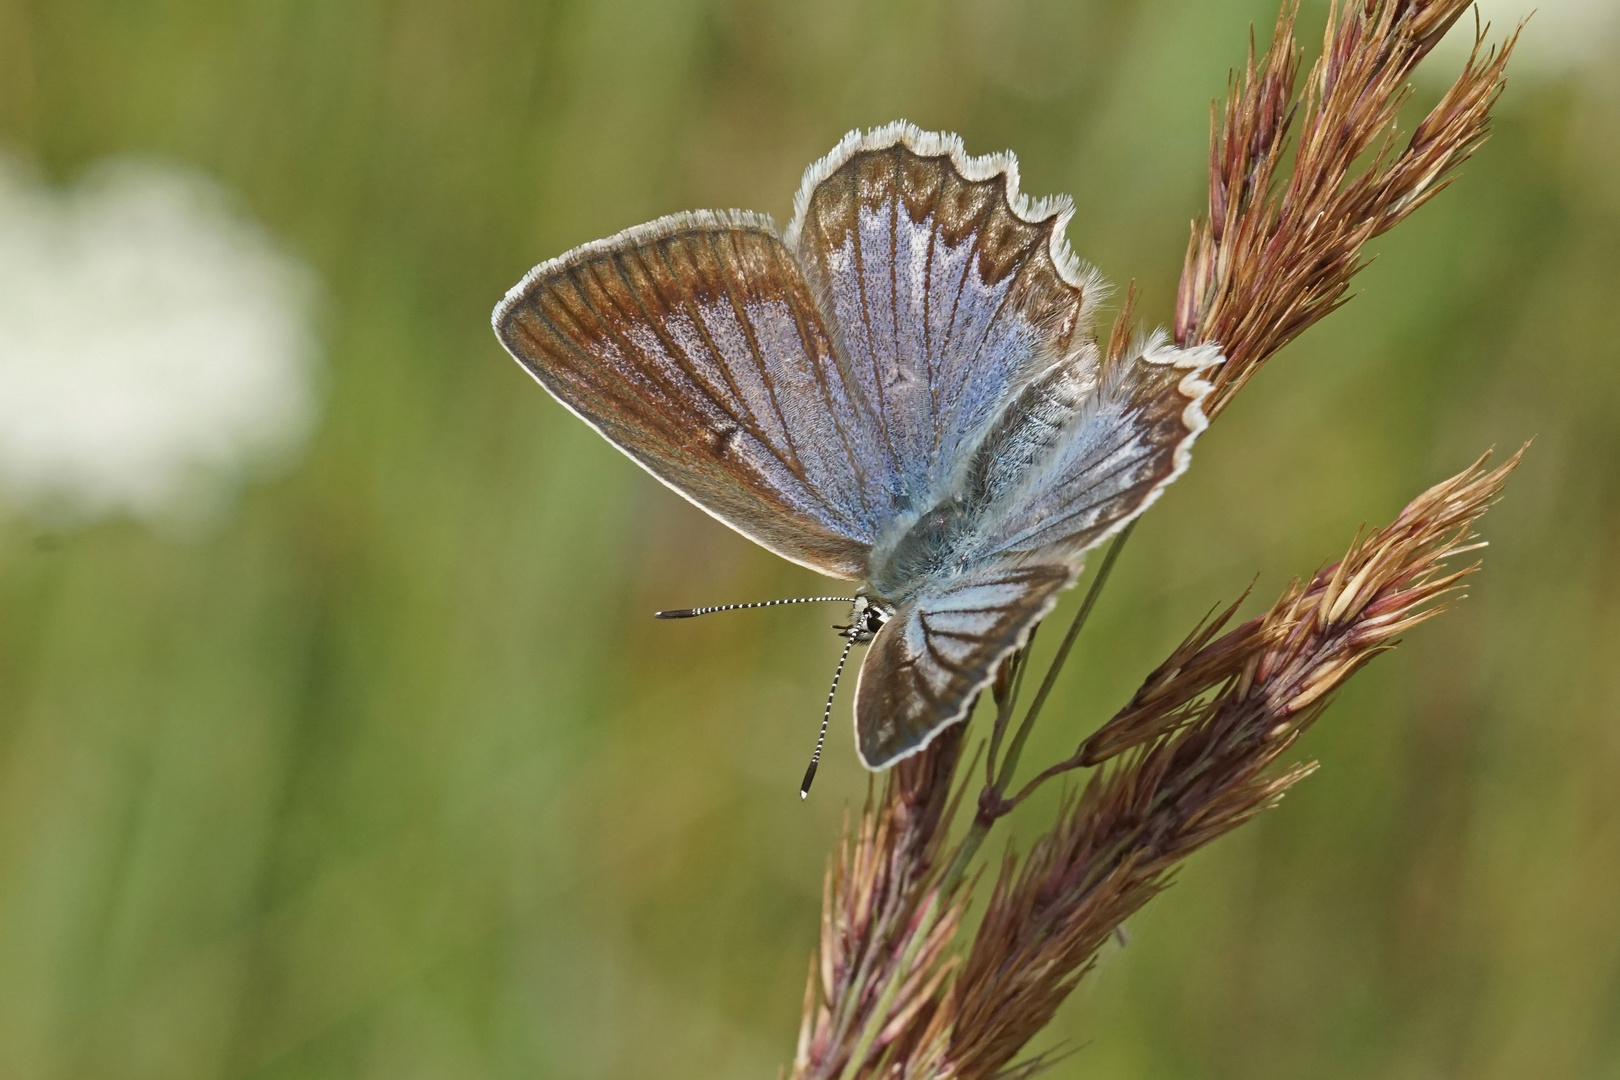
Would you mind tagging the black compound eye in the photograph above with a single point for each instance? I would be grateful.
(874, 620)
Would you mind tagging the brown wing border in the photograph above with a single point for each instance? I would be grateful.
(1074, 271)
(646, 234)
(1066, 575)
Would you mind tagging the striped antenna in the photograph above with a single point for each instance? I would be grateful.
(693, 612)
(821, 740)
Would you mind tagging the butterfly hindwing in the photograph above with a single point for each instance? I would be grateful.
(1129, 439)
(927, 664)
(694, 345)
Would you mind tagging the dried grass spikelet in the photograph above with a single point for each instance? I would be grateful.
(886, 927)
(1189, 758)
(1194, 752)
(1347, 614)
(1274, 257)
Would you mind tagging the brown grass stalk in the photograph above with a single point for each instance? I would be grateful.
(1274, 256)
(892, 993)
(1192, 756)
(1200, 762)
(886, 926)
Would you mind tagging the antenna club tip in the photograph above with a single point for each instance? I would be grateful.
(675, 613)
(809, 778)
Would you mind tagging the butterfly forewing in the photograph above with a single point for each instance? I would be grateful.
(694, 345)
(944, 289)
(927, 664)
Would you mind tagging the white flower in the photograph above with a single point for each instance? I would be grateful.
(155, 348)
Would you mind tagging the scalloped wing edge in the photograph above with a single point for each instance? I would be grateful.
(1074, 271)
(1196, 362)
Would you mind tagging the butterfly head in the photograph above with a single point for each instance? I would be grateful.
(866, 617)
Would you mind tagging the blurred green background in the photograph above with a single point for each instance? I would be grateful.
(391, 775)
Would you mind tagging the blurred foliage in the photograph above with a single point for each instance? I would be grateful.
(393, 776)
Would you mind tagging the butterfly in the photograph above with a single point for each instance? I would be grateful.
(902, 388)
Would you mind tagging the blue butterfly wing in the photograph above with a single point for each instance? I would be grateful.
(1071, 461)
(694, 345)
(944, 289)
(1124, 441)
(964, 326)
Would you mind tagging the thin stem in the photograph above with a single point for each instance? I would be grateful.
(990, 799)
(1005, 707)
(1068, 764)
(1010, 762)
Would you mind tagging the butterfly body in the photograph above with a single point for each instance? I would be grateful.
(902, 389)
